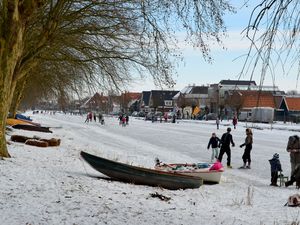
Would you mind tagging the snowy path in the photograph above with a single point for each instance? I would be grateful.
(54, 186)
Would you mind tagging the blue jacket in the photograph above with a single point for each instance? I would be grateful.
(275, 165)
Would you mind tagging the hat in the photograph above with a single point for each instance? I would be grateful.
(276, 156)
(228, 129)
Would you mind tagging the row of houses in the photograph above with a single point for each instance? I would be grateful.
(226, 98)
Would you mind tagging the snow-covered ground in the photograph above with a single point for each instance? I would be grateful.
(55, 186)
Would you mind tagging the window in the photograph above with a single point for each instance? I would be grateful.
(168, 102)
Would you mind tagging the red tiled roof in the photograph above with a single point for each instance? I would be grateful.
(255, 99)
(131, 95)
(293, 103)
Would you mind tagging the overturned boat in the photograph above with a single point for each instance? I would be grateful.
(140, 175)
(32, 128)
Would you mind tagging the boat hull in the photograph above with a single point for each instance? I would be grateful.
(139, 175)
(32, 128)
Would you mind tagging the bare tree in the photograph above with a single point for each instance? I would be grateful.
(114, 38)
(274, 34)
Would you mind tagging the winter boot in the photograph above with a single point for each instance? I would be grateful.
(243, 167)
(248, 167)
(289, 183)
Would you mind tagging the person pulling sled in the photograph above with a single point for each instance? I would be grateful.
(275, 168)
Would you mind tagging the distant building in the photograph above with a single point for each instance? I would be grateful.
(144, 101)
(190, 97)
(161, 100)
(98, 102)
(127, 99)
(219, 94)
(289, 109)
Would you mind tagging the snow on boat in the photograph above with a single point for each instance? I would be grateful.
(210, 173)
(140, 175)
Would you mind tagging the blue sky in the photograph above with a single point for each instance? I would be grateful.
(227, 63)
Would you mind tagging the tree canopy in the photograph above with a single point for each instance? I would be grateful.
(274, 33)
(106, 41)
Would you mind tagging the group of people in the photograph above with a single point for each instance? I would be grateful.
(234, 122)
(123, 120)
(90, 116)
(224, 144)
(293, 147)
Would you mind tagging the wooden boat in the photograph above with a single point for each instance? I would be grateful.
(12, 122)
(30, 122)
(32, 128)
(22, 117)
(208, 174)
(139, 175)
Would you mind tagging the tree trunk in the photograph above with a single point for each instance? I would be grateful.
(11, 49)
(5, 98)
(18, 95)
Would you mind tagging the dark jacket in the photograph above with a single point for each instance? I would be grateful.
(226, 139)
(275, 165)
(214, 142)
(293, 143)
(248, 141)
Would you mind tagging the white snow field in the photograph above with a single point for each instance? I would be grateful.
(55, 186)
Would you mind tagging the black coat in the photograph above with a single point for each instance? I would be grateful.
(214, 142)
(226, 139)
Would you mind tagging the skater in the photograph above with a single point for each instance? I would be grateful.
(120, 119)
(248, 143)
(293, 147)
(275, 167)
(166, 117)
(226, 139)
(123, 121)
(95, 118)
(100, 117)
(127, 119)
(90, 116)
(214, 142)
(234, 122)
(87, 118)
(218, 122)
(174, 118)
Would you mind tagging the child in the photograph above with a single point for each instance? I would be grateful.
(275, 167)
(214, 142)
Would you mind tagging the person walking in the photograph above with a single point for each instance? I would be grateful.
(87, 118)
(293, 147)
(90, 116)
(234, 122)
(218, 122)
(174, 118)
(248, 143)
(214, 143)
(226, 139)
(100, 116)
